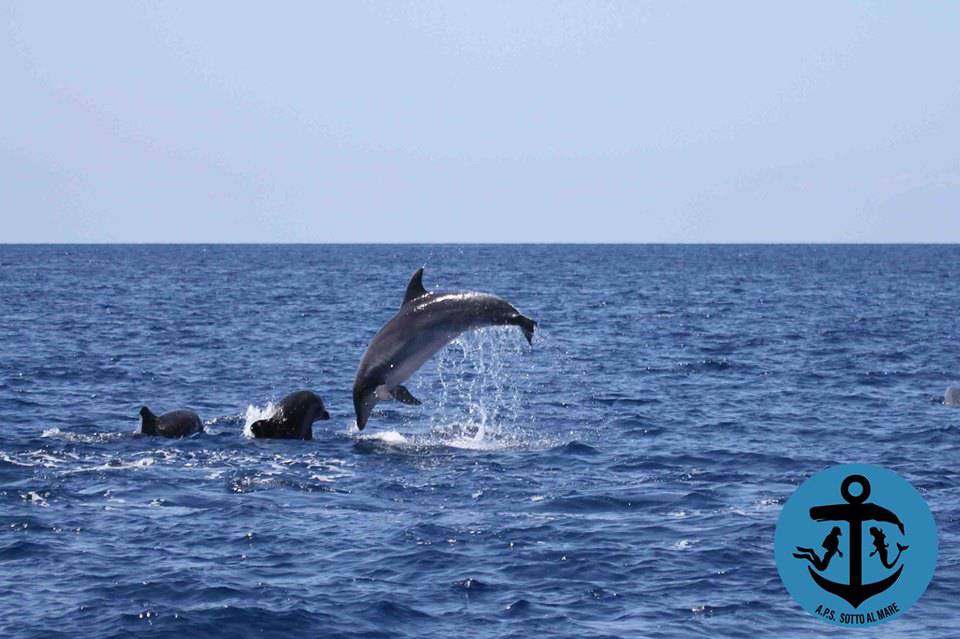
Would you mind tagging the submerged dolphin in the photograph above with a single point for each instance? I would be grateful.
(178, 423)
(426, 322)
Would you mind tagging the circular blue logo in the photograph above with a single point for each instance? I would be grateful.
(856, 545)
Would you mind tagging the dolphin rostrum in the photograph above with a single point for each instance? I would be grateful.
(426, 322)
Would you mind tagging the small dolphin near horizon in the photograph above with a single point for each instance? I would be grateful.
(177, 423)
(425, 323)
(951, 396)
(293, 418)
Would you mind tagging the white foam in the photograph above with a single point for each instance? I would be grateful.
(477, 441)
(124, 465)
(10, 460)
(85, 438)
(36, 498)
(391, 437)
(39, 458)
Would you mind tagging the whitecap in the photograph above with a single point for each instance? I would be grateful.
(143, 462)
(36, 498)
(84, 438)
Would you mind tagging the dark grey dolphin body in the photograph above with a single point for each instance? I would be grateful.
(178, 423)
(427, 322)
(293, 419)
(951, 397)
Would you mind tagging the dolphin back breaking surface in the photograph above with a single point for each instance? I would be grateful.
(427, 321)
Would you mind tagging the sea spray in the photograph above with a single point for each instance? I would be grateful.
(254, 414)
(478, 383)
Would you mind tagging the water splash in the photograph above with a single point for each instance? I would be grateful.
(256, 413)
(474, 392)
(478, 386)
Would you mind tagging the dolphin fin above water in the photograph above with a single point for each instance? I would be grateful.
(148, 421)
(415, 287)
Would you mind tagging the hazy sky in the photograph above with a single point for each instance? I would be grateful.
(480, 121)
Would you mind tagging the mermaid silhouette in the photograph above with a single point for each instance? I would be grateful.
(831, 544)
(880, 546)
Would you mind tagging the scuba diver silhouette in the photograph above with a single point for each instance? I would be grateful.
(880, 546)
(831, 544)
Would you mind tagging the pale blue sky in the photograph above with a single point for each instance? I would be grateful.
(479, 122)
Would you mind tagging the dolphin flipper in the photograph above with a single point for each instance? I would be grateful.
(402, 395)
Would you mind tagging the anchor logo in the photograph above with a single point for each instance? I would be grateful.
(854, 512)
(863, 573)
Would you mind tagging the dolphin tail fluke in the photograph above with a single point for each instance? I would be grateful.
(526, 325)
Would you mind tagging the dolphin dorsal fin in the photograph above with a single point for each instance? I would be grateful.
(415, 287)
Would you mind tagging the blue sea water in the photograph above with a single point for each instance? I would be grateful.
(621, 478)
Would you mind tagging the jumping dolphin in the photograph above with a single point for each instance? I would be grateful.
(178, 423)
(426, 322)
(293, 419)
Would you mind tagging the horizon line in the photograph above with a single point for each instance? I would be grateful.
(491, 243)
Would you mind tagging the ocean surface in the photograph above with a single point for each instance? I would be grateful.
(621, 478)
